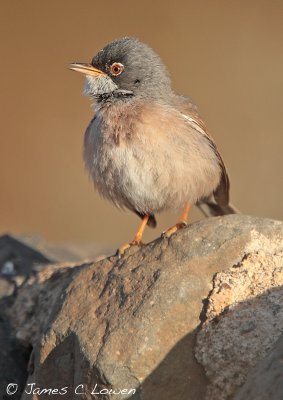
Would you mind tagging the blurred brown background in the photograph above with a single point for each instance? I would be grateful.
(227, 55)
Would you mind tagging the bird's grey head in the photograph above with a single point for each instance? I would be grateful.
(123, 69)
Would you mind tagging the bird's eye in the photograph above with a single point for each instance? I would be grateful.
(116, 69)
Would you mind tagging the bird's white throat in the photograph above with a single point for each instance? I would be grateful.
(95, 86)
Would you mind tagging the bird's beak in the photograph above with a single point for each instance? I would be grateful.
(86, 69)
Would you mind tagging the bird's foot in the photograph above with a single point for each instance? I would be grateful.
(169, 232)
(126, 246)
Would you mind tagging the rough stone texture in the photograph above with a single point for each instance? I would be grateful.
(18, 262)
(135, 322)
(132, 322)
(266, 380)
(244, 315)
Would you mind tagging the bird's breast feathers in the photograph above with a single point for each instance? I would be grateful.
(153, 156)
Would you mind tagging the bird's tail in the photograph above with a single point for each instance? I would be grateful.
(212, 209)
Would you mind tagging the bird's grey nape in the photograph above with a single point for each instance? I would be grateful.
(96, 86)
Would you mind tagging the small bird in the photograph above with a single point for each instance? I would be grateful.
(147, 148)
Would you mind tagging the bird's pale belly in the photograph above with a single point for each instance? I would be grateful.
(136, 177)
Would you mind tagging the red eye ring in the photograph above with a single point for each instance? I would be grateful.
(116, 69)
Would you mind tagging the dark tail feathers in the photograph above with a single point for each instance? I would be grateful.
(211, 209)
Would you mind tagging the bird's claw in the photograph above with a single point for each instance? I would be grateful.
(121, 251)
(169, 232)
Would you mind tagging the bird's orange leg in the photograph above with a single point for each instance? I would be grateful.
(181, 224)
(137, 239)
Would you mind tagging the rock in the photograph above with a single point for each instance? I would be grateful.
(7, 288)
(17, 263)
(244, 316)
(16, 258)
(13, 361)
(266, 380)
(131, 323)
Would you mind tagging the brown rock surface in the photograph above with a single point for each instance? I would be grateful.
(131, 323)
(244, 316)
(266, 380)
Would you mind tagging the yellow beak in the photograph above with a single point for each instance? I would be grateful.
(86, 69)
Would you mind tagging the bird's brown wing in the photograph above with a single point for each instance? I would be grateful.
(190, 112)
